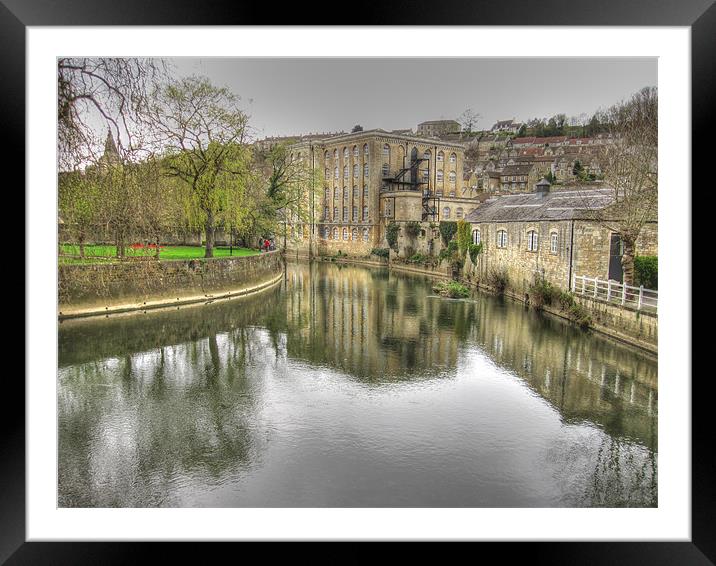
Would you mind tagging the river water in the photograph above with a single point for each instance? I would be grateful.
(351, 386)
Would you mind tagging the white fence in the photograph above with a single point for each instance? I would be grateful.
(616, 293)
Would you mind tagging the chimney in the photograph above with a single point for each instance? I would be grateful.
(542, 187)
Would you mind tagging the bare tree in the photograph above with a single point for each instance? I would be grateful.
(469, 120)
(630, 166)
(98, 95)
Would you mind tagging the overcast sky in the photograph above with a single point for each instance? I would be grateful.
(293, 96)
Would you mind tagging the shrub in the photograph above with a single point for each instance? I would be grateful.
(447, 231)
(646, 271)
(417, 258)
(380, 252)
(464, 236)
(498, 280)
(474, 250)
(391, 235)
(412, 229)
(543, 293)
(451, 289)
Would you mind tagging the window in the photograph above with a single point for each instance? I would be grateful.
(355, 151)
(386, 169)
(326, 193)
(446, 213)
(345, 214)
(335, 173)
(365, 170)
(345, 192)
(440, 175)
(335, 233)
(452, 177)
(326, 233)
(325, 213)
(427, 154)
(532, 241)
(365, 151)
(425, 174)
(335, 192)
(345, 153)
(458, 212)
(501, 239)
(365, 213)
(365, 191)
(554, 242)
(476, 236)
(345, 233)
(441, 156)
(355, 193)
(354, 234)
(453, 158)
(327, 173)
(452, 192)
(355, 214)
(325, 158)
(345, 171)
(355, 171)
(335, 154)
(386, 151)
(365, 234)
(335, 213)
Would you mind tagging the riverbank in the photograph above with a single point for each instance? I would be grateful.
(638, 329)
(91, 290)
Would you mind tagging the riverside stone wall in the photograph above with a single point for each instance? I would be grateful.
(136, 281)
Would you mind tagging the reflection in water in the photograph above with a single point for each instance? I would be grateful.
(349, 386)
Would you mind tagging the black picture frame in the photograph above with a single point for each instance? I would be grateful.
(699, 15)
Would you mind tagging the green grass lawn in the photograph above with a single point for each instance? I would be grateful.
(102, 254)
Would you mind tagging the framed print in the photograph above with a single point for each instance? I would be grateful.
(394, 281)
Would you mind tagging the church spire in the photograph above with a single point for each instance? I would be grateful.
(110, 148)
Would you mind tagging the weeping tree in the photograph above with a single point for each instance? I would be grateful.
(204, 133)
(630, 167)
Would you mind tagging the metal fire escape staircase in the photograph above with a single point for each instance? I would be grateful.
(399, 182)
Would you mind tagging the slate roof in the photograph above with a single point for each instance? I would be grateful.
(517, 170)
(562, 204)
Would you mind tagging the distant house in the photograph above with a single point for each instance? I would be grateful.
(551, 235)
(438, 127)
(517, 178)
(509, 126)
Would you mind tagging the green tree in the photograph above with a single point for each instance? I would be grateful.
(205, 134)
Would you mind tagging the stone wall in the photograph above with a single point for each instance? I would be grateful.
(137, 281)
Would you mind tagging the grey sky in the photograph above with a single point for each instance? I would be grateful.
(291, 96)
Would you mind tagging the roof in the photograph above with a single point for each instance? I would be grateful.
(438, 122)
(555, 205)
(517, 169)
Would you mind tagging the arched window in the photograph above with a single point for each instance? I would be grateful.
(345, 214)
(452, 192)
(355, 214)
(365, 234)
(354, 234)
(345, 153)
(345, 233)
(476, 236)
(326, 233)
(355, 193)
(440, 175)
(345, 171)
(335, 192)
(327, 173)
(365, 170)
(458, 212)
(554, 242)
(355, 151)
(365, 213)
(325, 158)
(335, 154)
(326, 193)
(453, 158)
(345, 192)
(355, 171)
(452, 177)
(386, 169)
(365, 191)
(335, 173)
(427, 154)
(532, 241)
(386, 152)
(335, 213)
(446, 213)
(325, 213)
(335, 233)
(441, 156)
(501, 239)
(365, 151)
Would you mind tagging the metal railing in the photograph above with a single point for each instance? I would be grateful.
(616, 293)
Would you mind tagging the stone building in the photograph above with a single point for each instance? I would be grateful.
(551, 234)
(438, 127)
(509, 126)
(374, 177)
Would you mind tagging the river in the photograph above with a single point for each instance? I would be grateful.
(349, 386)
